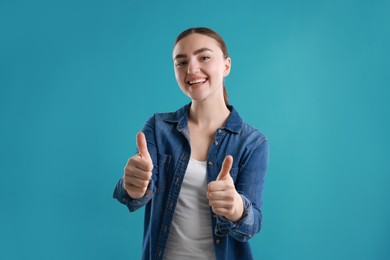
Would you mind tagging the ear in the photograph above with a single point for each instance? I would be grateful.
(228, 64)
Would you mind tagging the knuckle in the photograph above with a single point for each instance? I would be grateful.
(126, 179)
(126, 187)
(149, 167)
(131, 161)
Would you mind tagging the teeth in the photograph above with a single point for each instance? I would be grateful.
(197, 81)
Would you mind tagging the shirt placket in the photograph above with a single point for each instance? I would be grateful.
(212, 175)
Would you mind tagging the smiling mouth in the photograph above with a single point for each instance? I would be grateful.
(196, 82)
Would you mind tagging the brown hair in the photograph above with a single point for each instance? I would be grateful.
(215, 36)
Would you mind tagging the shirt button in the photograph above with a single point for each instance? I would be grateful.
(219, 131)
(217, 241)
(210, 163)
(216, 142)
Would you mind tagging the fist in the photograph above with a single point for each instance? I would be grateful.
(138, 170)
(223, 196)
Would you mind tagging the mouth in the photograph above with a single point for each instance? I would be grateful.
(196, 82)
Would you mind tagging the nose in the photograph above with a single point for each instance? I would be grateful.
(193, 66)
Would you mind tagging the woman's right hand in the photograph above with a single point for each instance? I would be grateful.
(138, 170)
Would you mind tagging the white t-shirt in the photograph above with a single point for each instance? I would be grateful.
(190, 236)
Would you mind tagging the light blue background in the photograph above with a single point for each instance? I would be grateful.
(79, 78)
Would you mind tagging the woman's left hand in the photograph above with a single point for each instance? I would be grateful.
(223, 196)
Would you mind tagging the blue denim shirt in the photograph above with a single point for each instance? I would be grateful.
(167, 136)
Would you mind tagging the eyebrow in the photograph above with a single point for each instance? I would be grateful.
(178, 56)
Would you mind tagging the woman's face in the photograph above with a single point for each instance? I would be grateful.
(200, 67)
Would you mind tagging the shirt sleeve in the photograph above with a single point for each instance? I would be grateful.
(132, 204)
(249, 185)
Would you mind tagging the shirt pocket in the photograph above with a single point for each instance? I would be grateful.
(234, 173)
(164, 161)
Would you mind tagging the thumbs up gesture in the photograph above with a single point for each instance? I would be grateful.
(138, 170)
(223, 196)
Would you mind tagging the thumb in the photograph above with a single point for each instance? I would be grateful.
(142, 145)
(225, 169)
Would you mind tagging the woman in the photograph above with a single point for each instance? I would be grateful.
(200, 170)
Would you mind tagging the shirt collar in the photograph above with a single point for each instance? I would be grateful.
(233, 123)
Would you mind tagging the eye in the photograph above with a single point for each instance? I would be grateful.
(180, 63)
(204, 58)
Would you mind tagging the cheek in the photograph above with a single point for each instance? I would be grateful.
(179, 77)
(216, 68)
(217, 71)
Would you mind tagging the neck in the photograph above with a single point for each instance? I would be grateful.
(209, 114)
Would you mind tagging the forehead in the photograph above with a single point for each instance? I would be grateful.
(194, 42)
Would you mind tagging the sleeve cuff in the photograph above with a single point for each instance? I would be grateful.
(133, 204)
(224, 226)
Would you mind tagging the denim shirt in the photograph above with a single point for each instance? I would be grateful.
(167, 136)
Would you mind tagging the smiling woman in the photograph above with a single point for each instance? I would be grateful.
(212, 34)
(200, 170)
(199, 69)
